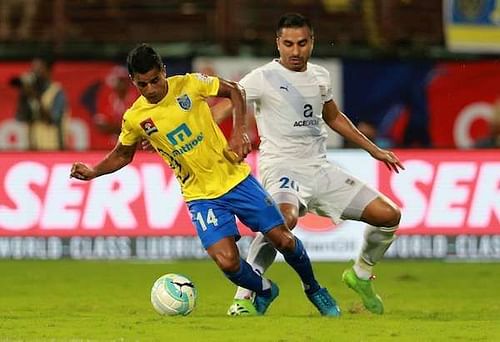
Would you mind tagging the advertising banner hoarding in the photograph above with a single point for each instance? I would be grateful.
(450, 202)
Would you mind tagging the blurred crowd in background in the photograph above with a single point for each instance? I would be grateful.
(64, 86)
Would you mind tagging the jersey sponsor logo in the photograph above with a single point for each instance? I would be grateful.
(180, 136)
(306, 123)
(188, 146)
(148, 126)
(308, 110)
(284, 87)
(184, 102)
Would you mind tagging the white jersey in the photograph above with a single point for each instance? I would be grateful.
(288, 111)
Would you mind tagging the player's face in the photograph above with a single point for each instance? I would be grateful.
(152, 85)
(295, 45)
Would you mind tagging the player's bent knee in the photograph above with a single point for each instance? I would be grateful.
(382, 213)
(290, 220)
(281, 238)
(393, 217)
(290, 214)
(286, 243)
(389, 217)
(227, 261)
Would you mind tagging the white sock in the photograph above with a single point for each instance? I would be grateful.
(362, 270)
(376, 242)
(261, 255)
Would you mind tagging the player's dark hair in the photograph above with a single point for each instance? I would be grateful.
(142, 59)
(294, 20)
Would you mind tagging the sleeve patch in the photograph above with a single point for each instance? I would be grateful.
(203, 77)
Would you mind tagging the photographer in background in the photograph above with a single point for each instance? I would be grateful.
(42, 105)
(107, 102)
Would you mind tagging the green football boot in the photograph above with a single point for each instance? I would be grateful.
(242, 307)
(364, 288)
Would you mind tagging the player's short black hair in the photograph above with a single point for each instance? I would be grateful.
(294, 20)
(142, 59)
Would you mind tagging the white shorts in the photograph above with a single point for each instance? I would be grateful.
(325, 190)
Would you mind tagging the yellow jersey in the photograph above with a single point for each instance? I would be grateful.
(181, 129)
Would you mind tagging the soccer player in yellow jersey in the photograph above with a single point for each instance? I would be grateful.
(173, 116)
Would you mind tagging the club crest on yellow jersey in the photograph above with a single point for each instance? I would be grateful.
(184, 102)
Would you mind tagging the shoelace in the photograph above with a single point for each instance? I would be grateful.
(324, 300)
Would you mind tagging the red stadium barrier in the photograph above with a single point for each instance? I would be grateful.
(452, 197)
(447, 192)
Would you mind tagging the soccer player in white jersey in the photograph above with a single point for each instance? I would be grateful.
(294, 104)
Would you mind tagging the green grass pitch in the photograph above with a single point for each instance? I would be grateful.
(109, 301)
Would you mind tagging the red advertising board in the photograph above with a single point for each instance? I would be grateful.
(446, 192)
(450, 204)
(440, 192)
(37, 198)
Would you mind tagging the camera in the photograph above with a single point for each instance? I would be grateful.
(26, 80)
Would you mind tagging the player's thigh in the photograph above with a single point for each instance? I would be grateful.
(341, 195)
(254, 206)
(288, 185)
(213, 221)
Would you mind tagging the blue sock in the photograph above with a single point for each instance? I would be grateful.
(246, 277)
(299, 260)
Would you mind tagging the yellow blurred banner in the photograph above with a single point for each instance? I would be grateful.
(472, 25)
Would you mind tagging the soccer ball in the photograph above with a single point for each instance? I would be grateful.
(173, 294)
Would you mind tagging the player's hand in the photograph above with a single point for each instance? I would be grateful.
(239, 144)
(146, 146)
(389, 158)
(82, 172)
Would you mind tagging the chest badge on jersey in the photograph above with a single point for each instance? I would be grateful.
(184, 102)
(149, 126)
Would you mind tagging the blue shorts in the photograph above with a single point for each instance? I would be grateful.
(214, 219)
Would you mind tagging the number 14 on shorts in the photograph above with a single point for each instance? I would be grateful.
(209, 219)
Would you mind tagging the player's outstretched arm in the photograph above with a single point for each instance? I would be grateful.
(222, 110)
(120, 156)
(239, 142)
(341, 124)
